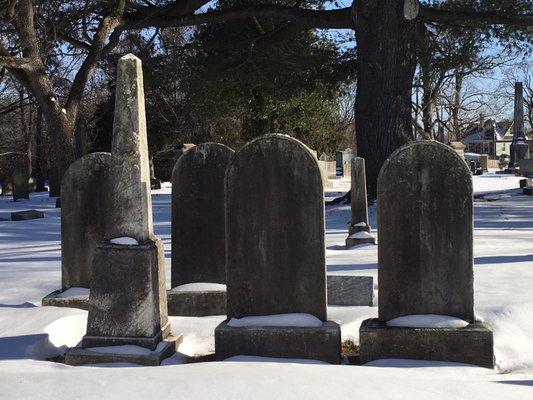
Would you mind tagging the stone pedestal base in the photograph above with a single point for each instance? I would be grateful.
(350, 242)
(53, 299)
(471, 345)
(197, 304)
(84, 356)
(128, 302)
(354, 230)
(323, 343)
(348, 290)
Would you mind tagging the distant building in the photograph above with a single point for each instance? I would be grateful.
(491, 137)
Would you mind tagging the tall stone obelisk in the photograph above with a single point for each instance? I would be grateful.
(519, 145)
(127, 303)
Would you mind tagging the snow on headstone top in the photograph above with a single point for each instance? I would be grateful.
(125, 241)
(427, 321)
(292, 319)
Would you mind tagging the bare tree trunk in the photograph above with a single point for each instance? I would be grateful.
(386, 60)
(39, 159)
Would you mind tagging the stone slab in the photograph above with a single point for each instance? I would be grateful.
(26, 215)
(21, 189)
(359, 202)
(348, 290)
(528, 191)
(53, 300)
(322, 343)
(197, 304)
(128, 302)
(84, 356)
(471, 345)
(350, 242)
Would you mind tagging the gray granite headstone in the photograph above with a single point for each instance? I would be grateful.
(83, 217)
(198, 230)
(20, 185)
(275, 230)
(425, 254)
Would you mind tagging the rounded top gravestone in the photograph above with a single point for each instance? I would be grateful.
(83, 216)
(275, 230)
(425, 254)
(198, 231)
(20, 185)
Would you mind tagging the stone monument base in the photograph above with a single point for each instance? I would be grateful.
(321, 343)
(196, 303)
(350, 290)
(142, 356)
(350, 242)
(471, 345)
(127, 302)
(527, 191)
(359, 234)
(54, 300)
(150, 342)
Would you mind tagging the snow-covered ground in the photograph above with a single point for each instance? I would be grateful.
(29, 333)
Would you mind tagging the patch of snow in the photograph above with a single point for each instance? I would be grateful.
(67, 331)
(125, 241)
(199, 287)
(361, 235)
(494, 197)
(362, 223)
(292, 319)
(74, 292)
(427, 321)
(275, 360)
(64, 111)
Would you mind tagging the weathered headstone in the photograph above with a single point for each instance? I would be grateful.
(275, 260)
(154, 182)
(83, 219)
(350, 290)
(342, 157)
(20, 185)
(127, 303)
(425, 259)
(54, 182)
(26, 215)
(360, 231)
(198, 231)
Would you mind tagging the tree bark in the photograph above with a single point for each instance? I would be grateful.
(456, 104)
(386, 60)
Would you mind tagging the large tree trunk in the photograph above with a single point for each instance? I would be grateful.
(386, 60)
